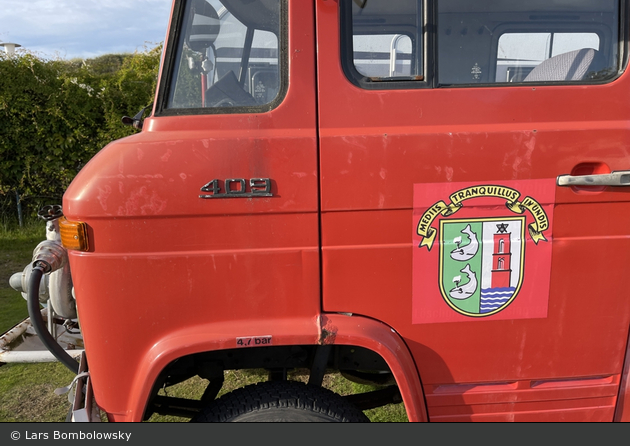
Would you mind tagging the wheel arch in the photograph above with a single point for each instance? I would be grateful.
(328, 329)
(386, 342)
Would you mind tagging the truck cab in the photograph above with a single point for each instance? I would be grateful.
(430, 196)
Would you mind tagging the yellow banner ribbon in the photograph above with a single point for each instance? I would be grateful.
(541, 221)
(511, 196)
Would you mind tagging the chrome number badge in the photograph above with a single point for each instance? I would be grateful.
(238, 188)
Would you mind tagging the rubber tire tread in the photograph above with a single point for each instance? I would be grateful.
(261, 402)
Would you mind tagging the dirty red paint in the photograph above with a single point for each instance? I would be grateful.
(353, 171)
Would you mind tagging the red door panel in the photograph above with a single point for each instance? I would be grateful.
(162, 258)
(375, 145)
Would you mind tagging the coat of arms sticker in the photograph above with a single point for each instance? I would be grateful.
(482, 251)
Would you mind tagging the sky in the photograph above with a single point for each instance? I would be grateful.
(83, 28)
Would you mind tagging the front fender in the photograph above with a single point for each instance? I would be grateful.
(382, 339)
(334, 329)
(210, 337)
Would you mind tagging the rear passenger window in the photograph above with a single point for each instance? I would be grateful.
(519, 53)
(519, 42)
(480, 42)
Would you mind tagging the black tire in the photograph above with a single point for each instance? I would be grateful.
(280, 401)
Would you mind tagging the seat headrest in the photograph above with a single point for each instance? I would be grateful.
(571, 66)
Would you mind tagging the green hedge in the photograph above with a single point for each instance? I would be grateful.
(56, 114)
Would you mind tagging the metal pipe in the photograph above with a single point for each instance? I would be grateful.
(393, 52)
(10, 336)
(33, 357)
(8, 356)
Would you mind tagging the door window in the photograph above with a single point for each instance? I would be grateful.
(535, 41)
(485, 42)
(383, 42)
(519, 53)
(537, 47)
(383, 55)
(227, 57)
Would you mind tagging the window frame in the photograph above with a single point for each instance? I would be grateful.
(520, 28)
(170, 64)
(362, 81)
(430, 64)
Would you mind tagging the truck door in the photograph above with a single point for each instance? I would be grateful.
(467, 197)
(209, 215)
(238, 97)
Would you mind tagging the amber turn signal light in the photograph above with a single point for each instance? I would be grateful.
(73, 234)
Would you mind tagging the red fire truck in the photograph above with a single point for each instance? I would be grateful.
(428, 195)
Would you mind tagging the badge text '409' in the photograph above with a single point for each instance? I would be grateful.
(238, 188)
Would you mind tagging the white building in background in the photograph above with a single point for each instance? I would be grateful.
(9, 48)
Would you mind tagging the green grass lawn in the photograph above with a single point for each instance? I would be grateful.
(16, 251)
(27, 390)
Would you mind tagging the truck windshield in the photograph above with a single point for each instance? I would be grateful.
(227, 55)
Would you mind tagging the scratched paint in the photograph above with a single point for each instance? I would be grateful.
(141, 201)
(166, 156)
(103, 195)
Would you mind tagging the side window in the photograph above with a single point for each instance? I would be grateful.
(385, 43)
(227, 56)
(519, 53)
(383, 55)
(519, 42)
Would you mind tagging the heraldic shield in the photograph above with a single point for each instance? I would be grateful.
(482, 251)
(481, 263)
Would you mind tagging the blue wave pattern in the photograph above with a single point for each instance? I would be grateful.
(494, 298)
